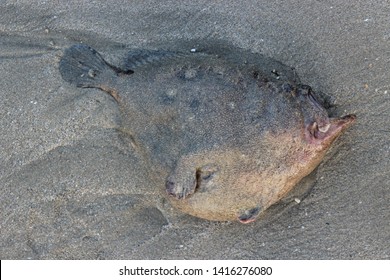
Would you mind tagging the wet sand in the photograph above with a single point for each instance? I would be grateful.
(68, 190)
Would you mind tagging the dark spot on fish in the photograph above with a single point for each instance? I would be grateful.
(194, 104)
(190, 74)
(167, 97)
(167, 100)
(287, 87)
(262, 82)
(255, 118)
(187, 74)
(180, 74)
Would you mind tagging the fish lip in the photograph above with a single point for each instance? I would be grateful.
(347, 119)
(327, 133)
(343, 123)
(169, 187)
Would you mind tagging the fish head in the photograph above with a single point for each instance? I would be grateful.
(239, 181)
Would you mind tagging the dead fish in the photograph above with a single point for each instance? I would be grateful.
(228, 133)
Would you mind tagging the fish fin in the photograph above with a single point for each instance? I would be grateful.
(84, 67)
(250, 215)
(137, 58)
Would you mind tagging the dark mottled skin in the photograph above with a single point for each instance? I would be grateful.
(225, 132)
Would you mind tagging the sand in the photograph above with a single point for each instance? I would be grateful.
(68, 190)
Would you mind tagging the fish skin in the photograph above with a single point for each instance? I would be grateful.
(225, 136)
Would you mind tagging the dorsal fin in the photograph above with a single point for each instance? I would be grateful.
(136, 58)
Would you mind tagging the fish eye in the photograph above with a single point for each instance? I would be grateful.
(205, 173)
(207, 176)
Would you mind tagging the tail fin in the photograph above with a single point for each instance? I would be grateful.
(84, 67)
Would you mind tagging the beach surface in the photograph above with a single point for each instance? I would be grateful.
(71, 188)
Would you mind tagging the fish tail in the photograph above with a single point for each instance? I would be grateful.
(85, 67)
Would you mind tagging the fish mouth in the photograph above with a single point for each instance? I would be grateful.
(326, 133)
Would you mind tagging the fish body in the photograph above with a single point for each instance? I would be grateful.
(228, 133)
